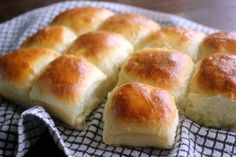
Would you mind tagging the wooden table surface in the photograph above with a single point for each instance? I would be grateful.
(219, 14)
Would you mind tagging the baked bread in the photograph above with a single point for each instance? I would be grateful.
(220, 42)
(136, 114)
(132, 26)
(212, 97)
(165, 69)
(19, 69)
(83, 19)
(72, 85)
(179, 39)
(70, 88)
(108, 51)
(53, 37)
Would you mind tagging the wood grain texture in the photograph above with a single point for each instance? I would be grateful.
(218, 13)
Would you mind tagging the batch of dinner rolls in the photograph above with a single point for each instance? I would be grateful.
(147, 74)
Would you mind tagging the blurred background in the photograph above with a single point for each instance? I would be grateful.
(219, 14)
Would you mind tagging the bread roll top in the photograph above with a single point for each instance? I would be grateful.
(83, 19)
(220, 42)
(53, 37)
(66, 77)
(139, 103)
(132, 26)
(216, 74)
(21, 66)
(179, 39)
(106, 50)
(160, 68)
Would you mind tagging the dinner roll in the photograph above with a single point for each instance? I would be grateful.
(220, 42)
(19, 69)
(132, 26)
(56, 37)
(212, 97)
(180, 39)
(165, 69)
(70, 88)
(83, 19)
(107, 51)
(139, 115)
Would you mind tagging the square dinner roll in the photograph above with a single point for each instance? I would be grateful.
(70, 88)
(54, 37)
(136, 114)
(108, 51)
(19, 69)
(212, 96)
(180, 39)
(220, 42)
(82, 19)
(132, 26)
(165, 69)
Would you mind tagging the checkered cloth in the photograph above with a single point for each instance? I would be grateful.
(20, 128)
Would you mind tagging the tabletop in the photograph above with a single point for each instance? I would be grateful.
(217, 14)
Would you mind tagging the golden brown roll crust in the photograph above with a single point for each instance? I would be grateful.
(54, 37)
(95, 44)
(19, 69)
(138, 103)
(65, 76)
(139, 115)
(220, 42)
(132, 26)
(180, 39)
(83, 19)
(165, 69)
(70, 88)
(106, 50)
(160, 68)
(17, 66)
(216, 75)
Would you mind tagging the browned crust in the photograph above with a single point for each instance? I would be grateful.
(217, 75)
(82, 19)
(182, 34)
(128, 24)
(139, 103)
(95, 44)
(47, 37)
(220, 42)
(65, 76)
(161, 68)
(17, 66)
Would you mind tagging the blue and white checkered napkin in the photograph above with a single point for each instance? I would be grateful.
(20, 128)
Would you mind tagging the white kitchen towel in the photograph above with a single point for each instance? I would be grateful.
(20, 127)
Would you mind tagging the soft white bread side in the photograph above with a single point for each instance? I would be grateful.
(165, 69)
(212, 97)
(139, 115)
(83, 19)
(179, 39)
(54, 37)
(220, 42)
(70, 88)
(131, 26)
(108, 51)
(19, 69)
